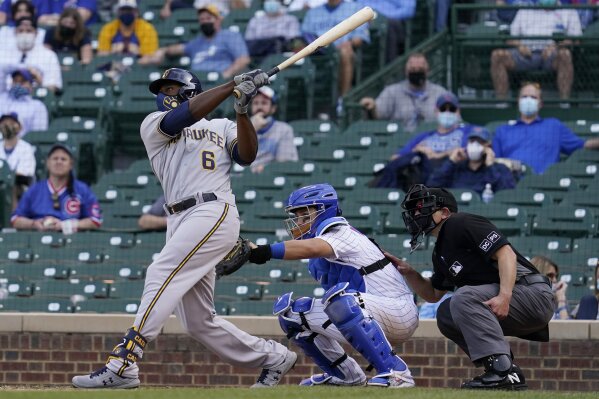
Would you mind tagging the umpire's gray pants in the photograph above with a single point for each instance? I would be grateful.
(472, 325)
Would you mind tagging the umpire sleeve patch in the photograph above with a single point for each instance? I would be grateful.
(493, 237)
(485, 245)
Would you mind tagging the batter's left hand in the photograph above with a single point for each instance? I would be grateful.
(500, 306)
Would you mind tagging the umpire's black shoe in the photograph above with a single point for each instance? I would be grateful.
(513, 381)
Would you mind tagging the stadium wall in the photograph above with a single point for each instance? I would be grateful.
(43, 349)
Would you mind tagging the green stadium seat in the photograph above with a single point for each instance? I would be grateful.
(234, 291)
(314, 127)
(565, 221)
(510, 219)
(152, 240)
(14, 240)
(221, 308)
(258, 308)
(18, 255)
(529, 199)
(51, 305)
(584, 155)
(465, 198)
(131, 270)
(67, 288)
(101, 239)
(81, 100)
(261, 238)
(377, 128)
(253, 224)
(394, 224)
(275, 289)
(535, 245)
(126, 289)
(238, 19)
(395, 244)
(586, 245)
(553, 182)
(366, 218)
(107, 305)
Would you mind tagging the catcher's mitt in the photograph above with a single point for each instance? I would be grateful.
(237, 257)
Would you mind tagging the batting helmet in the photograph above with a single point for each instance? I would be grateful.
(191, 87)
(323, 197)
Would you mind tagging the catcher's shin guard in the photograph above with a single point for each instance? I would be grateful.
(129, 351)
(364, 334)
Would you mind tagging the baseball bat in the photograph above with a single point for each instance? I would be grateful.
(342, 28)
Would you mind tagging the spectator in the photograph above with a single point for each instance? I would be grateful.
(10, 12)
(473, 167)
(19, 154)
(518, 141)
(411, 101)
(275, 138)
(302, 5)
(271, 32)
(535, 54)
(507, 15)
(588, 308)
(428, 310)
(586, 15)
(50, 10)
(169, 5)
(33, 114)
(223, 51)
(224, 6)
(550, 269)
(29, 54)
(155, 217)
(396, 12)
(128, 34)
(320, 19)
(60, 202)
(413, 163)
(70, 37)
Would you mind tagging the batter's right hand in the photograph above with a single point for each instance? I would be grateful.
(247, 90)
(257, 76)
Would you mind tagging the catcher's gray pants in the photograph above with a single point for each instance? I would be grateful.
(181, 279)
(472, 325)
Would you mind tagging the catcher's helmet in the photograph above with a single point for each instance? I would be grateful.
(191, 87)
(323, 197)
(420, 203)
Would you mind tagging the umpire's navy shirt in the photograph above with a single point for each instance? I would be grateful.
(463, 251)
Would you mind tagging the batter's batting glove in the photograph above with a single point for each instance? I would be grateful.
(257, 76)
(247, 91)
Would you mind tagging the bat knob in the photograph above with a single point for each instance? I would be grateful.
(236, 93)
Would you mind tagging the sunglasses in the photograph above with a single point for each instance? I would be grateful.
(551, 275)
(55, 203)
(448, 107)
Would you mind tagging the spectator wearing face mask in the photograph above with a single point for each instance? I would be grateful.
(271, 32)
(520, 141)
(70, 37)
(411, 101)
(215, 49)
(10, 12)
(29, 55)
(473, 167)
(128, 34)
(19, 154)
(50, 10)
(33, 114)
(275, 138)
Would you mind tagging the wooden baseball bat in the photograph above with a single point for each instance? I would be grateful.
(342, 28)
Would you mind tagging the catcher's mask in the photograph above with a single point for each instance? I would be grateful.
(420, 204)
(308, 207)
(190, 87)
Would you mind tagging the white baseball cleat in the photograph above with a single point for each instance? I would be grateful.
(271, 377)
(104, 378)
(326, 379)
(393, 379)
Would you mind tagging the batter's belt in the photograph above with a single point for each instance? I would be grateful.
(187, 202)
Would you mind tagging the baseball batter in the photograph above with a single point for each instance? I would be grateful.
(192, 157)
(367, 303)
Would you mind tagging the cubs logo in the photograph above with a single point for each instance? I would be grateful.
(96, 211)
(485, 245)
(455, 268)
(73, 206)
(170, 102)
(493, 237)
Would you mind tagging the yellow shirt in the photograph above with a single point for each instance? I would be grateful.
(143, 40)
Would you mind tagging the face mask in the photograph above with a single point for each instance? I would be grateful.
(447, 119)
(127, 18)
(67, 32)
(17, 91)
(25, 41)
(528, 106)
(207, 29)
(475, 150)
(166, 103)
(272, 6)
(547, 2)
(417, 78)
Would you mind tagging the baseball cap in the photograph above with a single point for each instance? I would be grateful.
(269, 93)
(19, 21)
(28, 76)
(59, 146)
(127, 3)
(211, 8)
(448, 98)
(12, 115)
(444, 198)
(481, 133)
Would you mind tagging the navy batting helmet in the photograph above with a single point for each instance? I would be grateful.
(191, 87)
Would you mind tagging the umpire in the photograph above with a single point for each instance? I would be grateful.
(498, 292)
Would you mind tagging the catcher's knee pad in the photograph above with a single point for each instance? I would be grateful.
(364, 333)
(130, 350)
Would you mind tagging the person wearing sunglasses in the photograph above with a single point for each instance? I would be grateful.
(550, 269)
(60, 202)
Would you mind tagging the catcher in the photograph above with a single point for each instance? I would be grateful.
(367, 303)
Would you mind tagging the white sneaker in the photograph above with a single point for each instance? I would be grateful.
(326, 379)
(271, 377)
(104, 378)
(393, 379)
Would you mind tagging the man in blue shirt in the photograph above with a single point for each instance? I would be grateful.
(222, 51)
(318, 20)
(535, 141)
(473, 167)
(49, 11)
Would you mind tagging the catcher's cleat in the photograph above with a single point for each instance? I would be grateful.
(513, 381)
(104, 378)
(326, 379)
(392, 379)
(271, 377)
